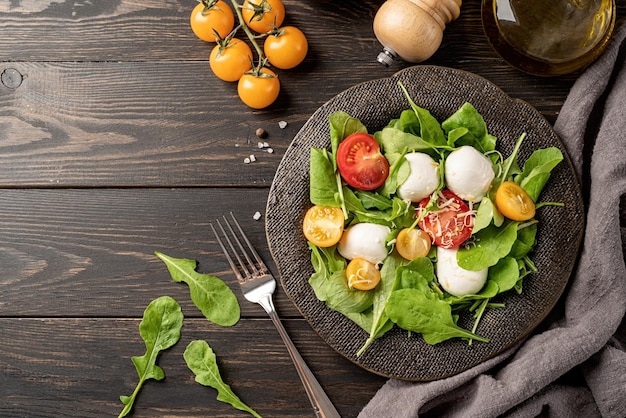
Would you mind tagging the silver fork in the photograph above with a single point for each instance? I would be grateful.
(258, 285)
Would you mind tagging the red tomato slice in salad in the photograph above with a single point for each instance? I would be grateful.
(361, 163)
(451, 224)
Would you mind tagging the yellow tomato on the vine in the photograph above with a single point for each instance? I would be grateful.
(258, 89)
(263, 15)
(229, 60)
(210, 16)
(286, 47)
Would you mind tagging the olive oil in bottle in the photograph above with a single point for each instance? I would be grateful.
(548, 37)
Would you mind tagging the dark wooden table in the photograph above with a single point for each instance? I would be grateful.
(116, 141)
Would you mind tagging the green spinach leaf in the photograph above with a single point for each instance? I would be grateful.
(210, 294)
(323, 183)
(413, 311)
(492, 244)
(202, 361)
(537, 169)
(160, 329)
(382, 292)
(477, 135)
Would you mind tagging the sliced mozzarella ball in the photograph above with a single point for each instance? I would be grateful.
(454, 279)
(364, 240)
(423, 179)
(468, 173)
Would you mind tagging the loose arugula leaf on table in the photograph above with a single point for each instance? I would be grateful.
(413, 311)
(202, 361)
(210, 294)
(160, 329)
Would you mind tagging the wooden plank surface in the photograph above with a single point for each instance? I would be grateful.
(116, 141)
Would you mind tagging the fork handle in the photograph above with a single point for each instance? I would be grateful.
(322, 405)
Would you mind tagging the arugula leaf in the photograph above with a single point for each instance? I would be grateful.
(537, 169)
(505, 274)
(492, 244)
(160, 329)
(325, 262)
(202, 361)
(477, 135)
(430, 129)
(395, 141)
(413, 311)
(323, 185)
(210, 294)
(340, 297)
(382, 292)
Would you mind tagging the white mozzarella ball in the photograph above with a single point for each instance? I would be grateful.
(468, 173)
(423, 180)
(454, 279)
(364, 240)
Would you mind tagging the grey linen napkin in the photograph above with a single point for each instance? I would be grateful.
(574, 365)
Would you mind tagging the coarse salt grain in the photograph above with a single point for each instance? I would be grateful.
(282, 124)
(257, 216)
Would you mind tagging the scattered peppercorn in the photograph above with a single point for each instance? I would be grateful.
(261, 133)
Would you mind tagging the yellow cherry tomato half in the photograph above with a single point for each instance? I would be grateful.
(362, 275)
(412, 243)
(286, 47)
(323, 225)
(209, 17)
(258, 90)
(263, 15)
(513, 202)
(229, 62)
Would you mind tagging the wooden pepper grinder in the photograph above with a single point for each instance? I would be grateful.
(412, 29)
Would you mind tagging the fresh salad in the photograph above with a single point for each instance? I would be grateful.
(415, 223)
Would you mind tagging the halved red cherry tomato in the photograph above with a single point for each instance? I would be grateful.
(360, 162)
(451, 224)
(362, 275)
(513, 202)
(230, 59)
(323, 225)
(210, 16)
(413, 243)
(262, 15)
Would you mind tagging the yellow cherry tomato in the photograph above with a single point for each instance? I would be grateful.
(228, 62)
(323, 225)
(210, 16)
(286, 47)
(513, 202)
(361, 274)
(258, 90)
(263, 15)
(412, 243)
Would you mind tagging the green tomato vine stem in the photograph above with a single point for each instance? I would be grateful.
(251, 37)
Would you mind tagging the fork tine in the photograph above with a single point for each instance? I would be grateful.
(233, 266)
(250, 266)
(259, 262)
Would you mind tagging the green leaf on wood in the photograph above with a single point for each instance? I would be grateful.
(202, 361)
(210, 294)
(160, 330)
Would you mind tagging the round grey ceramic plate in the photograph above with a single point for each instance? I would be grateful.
(442, 91)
